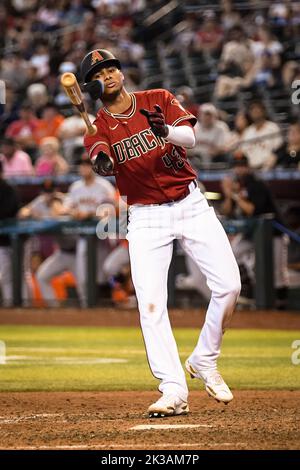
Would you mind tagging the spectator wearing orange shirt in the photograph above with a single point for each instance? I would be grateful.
(49, 123)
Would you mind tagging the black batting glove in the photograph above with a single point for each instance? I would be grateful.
(156, 120)
(103, 165)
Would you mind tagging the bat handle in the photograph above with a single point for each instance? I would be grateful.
(91, 128)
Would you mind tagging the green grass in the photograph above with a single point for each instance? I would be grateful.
(65, 358)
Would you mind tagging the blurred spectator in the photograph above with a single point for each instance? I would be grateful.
(261, 139)
(184, 38)
(278, 14)
(24, 130)
(84, 200)
(15, 70)
(288, 155)
(50, 121)
(211, 135)
(8, 209)
(49, 205)
(37, 248)
(237, 64)
(45, 205)
(290, 73)
(264, 74)
(237, 50)
(50, 162)
(229, 16)
(9, 110)
(241, 122)
(67, 66)
(266, 43)
(208, 38)
(37, 96)
(71, 132)
(185, 96)
(247, 196)
(49, 15)
(15, 162)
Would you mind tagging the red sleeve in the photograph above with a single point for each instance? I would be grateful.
(95, 143)
(175, 114)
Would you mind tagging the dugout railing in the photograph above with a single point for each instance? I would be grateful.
(20, 230)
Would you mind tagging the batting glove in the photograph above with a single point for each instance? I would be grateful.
(156, 120)
(103, 165)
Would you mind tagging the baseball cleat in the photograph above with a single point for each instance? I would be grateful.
(215, 386)
(168, 405)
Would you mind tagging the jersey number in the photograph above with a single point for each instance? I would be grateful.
(174, 161)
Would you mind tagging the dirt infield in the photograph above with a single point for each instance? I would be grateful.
(114, 317)
(101, 420)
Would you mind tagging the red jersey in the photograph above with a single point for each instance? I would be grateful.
(149, 169)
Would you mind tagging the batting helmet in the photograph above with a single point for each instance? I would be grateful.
(94, 61)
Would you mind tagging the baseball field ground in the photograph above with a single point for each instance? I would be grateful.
(88, 386)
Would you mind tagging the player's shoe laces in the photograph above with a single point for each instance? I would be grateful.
(168, 405)
(213, 381)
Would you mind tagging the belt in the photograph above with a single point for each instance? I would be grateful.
(189, 189)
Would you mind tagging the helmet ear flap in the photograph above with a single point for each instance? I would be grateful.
(94, 88)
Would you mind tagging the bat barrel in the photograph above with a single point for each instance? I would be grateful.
(71, 87)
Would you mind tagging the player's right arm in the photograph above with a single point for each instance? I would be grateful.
(98, 149)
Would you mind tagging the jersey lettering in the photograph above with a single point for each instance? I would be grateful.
(137, 145)
(139, 155)
(119, 152)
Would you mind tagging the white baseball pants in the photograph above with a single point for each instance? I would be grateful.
(151, 231)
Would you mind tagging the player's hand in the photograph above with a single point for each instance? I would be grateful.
(156, 120)
(103, 165)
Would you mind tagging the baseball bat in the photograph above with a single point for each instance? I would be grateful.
(72, 89)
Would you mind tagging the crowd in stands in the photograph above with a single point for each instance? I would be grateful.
(234, 65)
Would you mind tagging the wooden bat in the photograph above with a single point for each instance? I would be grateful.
(72, 89)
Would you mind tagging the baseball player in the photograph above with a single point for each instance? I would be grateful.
(141, 139)
(83, 201)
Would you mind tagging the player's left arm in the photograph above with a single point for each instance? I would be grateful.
(182, 135)
(171, 121)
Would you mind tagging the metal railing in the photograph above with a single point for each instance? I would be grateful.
(17, 230)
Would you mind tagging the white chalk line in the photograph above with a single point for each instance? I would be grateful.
(17, 419)
(72, 349)
(106, 446)
(145, 427)
(20, 359)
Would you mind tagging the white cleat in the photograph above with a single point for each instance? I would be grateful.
(168, 405)
(215, 386)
